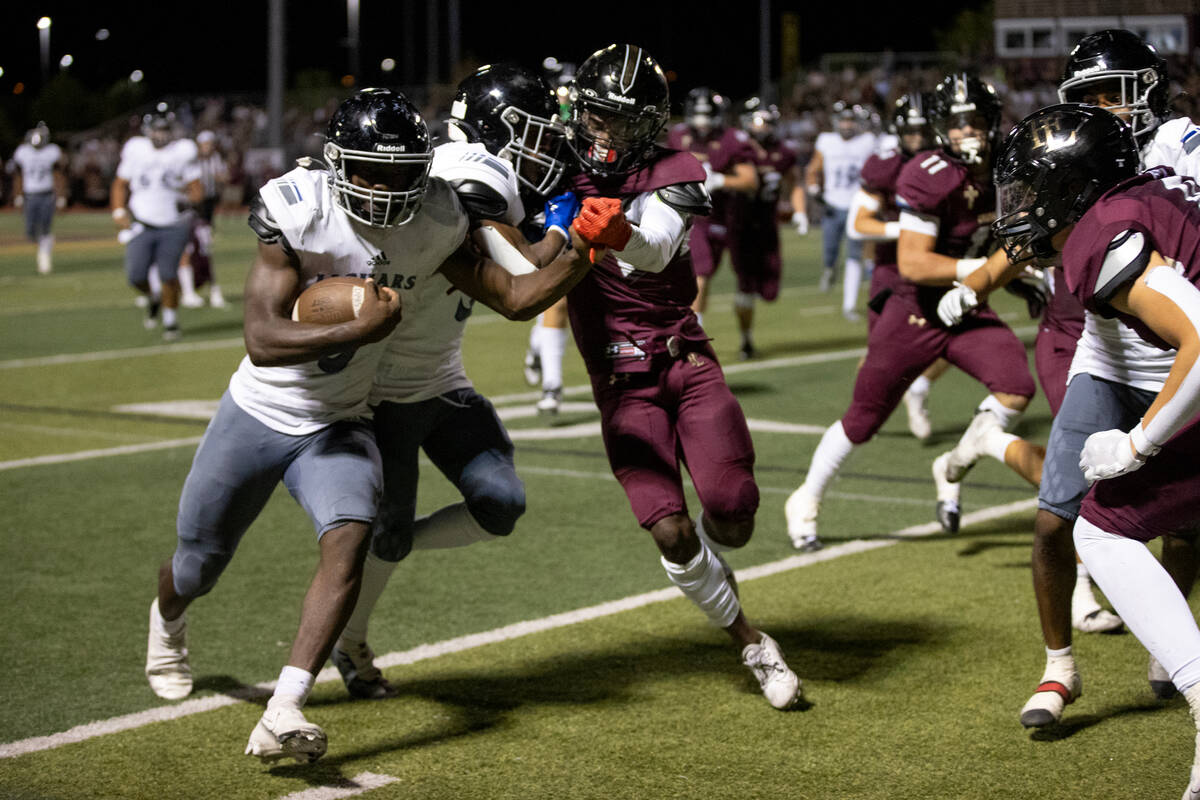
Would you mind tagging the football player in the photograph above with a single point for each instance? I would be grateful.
(1116, 70)
(39, 187)
(297, 407)
(874, 217)
(501, 162)
(838, 157)
(753, 219)
(946, 201)
(661, 393)
(728, 160)
(1070, 193)
(157, 184)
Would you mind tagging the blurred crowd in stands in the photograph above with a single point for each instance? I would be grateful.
(240, 125)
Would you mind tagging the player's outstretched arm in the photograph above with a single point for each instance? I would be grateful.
(274, 340)
(516, 297)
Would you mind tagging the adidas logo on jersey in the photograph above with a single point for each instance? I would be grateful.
(379, 260)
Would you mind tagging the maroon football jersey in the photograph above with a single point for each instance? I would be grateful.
(721, 148)
(1064, 312)
(757, 212)
(1163, 207)
(878, 177)
(934, 184)
(621, 321)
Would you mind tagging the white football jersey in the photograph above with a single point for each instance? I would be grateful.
(424, 355)
(841, 162)
(158, 179)
(37, 166)
(458, 161)
(303, 398)
(1109, 348)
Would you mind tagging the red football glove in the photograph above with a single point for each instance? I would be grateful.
(602, 222)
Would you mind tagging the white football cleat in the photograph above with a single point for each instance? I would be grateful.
(1160, 681)
(550, 402)
(918, 414)
(192, 300)
(44, 265)
(216, 299)
(801, 511)
(283, 732)
(167, 667)
(970, 447)
(947, 510)
(779, 684)
(1087, 616)
(1053, 694)
(362, 678)
(533, 367)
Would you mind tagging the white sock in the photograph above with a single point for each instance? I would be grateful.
(852, 281)
(169, 626)
(535, 335)
(376, 573)
(554, 347)
(155, 282)
(995, 443)
(187, 280)
(832, 451)
(169, 317)
(293, 687)
(1059, 661)
(1192, 693)
(920, 387)
(703, 581)
(1083, 595)
(452, 526)
(1007, 416)
(1145, 597)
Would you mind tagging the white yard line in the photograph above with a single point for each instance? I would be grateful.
(84, 455)
(459, 644)
(362, 782)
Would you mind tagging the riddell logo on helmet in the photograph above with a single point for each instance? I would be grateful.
(621, 98)
(390, 148)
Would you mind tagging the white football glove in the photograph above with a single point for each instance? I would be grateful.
(1107, 454)
(800, 220)
(712, 180)
(955, 304)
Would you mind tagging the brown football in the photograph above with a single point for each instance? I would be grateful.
(331, 301)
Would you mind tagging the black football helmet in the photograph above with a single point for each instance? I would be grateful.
(513, 112)
(911, 122)
(1116, 69)
(759, 119)
(159, 125)
(619, 103)
(1051, 168)
(962, 101)
(38, 135)
(378, 153)
(704, 110)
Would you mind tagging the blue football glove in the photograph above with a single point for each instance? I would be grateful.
(560, 213)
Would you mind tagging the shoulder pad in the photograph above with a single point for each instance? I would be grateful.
(687, 198)
(480, 200)
(265, 226)
(1127, 257)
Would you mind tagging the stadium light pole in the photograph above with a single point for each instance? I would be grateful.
(352, 39)
(43, 26)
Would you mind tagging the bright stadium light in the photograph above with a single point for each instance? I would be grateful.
(43, 24)
(102, 34)
(66, 61)
(136, 76)
(388, 64)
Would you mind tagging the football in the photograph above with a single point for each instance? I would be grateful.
(332, 301)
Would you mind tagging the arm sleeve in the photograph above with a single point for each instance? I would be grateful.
(1184, 405)
(863, 200)
(656, 238)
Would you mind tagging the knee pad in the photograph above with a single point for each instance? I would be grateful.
(735, 499)
(497, 502)
(196, 571)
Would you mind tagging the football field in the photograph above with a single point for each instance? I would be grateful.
(559, 662)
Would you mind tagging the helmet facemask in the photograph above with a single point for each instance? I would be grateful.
(968, 134)
(1124, 93)
(382, 190)
(610, 139)
(534, 148)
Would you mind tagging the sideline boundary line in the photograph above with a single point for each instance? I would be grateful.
(423, 652)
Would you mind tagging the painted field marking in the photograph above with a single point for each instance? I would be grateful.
(91, 730)
(362, 782)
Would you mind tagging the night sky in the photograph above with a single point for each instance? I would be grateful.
(217, 48)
